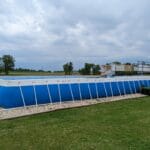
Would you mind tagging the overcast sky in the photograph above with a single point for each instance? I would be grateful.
(44, 34)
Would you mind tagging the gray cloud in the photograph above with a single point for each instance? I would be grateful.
(49, 33)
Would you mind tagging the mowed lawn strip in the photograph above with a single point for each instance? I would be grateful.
(117, 125)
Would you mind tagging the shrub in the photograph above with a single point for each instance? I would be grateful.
(145, 90)
(120, 73)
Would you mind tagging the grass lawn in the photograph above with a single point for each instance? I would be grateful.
(15, 73)
(31, 73)
(115, 125)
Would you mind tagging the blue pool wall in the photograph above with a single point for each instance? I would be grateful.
(11, 97)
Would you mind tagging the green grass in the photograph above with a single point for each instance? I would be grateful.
(15, 73)
(116, 125)
(38, 73)
(29, 73)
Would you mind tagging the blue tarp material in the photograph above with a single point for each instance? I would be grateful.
(10, 97)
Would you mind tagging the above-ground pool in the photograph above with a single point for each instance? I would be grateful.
(26, 91)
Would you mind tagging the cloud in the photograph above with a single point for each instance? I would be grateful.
(49, 33)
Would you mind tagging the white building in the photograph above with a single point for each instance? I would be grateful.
(113, 68)
(117, 67)
(142, 68)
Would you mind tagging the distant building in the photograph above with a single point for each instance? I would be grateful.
(142, 67)
(122, 67)
(113, 68)
(105, 68)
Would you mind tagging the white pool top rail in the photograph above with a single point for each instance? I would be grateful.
(28, 82)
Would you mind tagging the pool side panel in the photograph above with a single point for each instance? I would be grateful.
(10, 96)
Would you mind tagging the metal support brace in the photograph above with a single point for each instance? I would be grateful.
(134, 86)
(139, 85)
(59, 93)
(130, 87)
(22, 96)
(118, 87)
(89, 91)
(71, 92)
(111, 89)
(80, 91)
(35, 94)
(105, 89)
(124, 89)
(49, 94)
(96, 90)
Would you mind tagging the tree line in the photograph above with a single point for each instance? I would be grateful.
(7, 64)
(28, 70)
(88, 69)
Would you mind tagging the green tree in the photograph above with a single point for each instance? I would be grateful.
(90, 69)
(68, 68)
(9, 63)
(96, 69)
(117, 62)
(1, 65)
(127, 63)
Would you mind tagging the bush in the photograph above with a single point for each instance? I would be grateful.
(145, 90)
(120, 73)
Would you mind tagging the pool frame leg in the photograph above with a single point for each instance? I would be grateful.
(134, 86)
(96, 90)
(35, 96)
(71, 92)
(130, 87)
(59, 93)
(118, 87)
(49, 94)
(22, 96)
(110, 83)
(105, 89)
(90, 93)
(124, 89)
